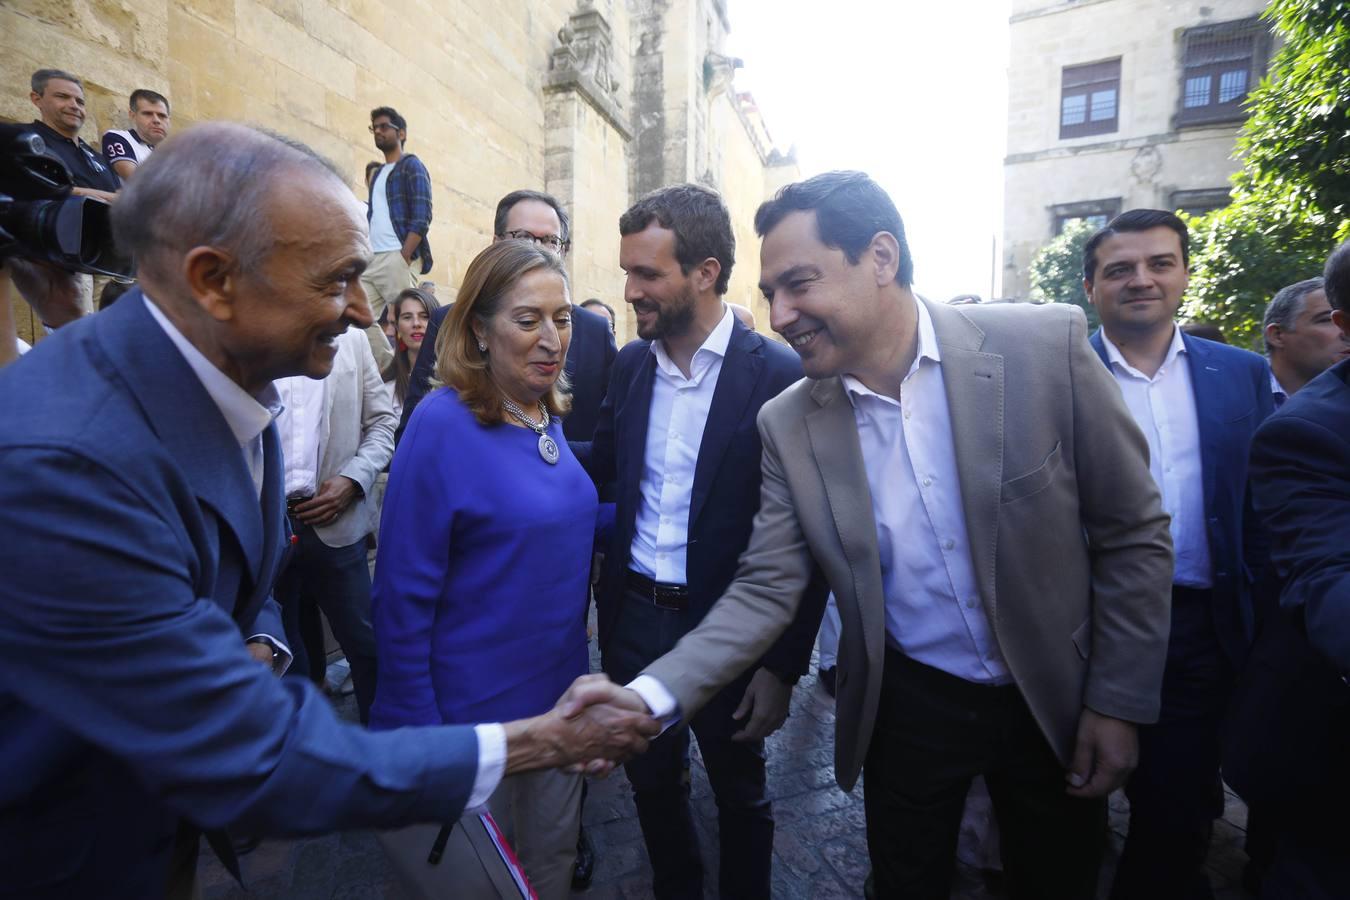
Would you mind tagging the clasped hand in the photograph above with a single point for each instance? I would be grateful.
(593, 727)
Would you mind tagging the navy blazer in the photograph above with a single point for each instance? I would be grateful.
(590, 357)
(725, 493)
(1288, 734)
(1232, 398)
(137, 560)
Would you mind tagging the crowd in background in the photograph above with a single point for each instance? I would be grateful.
(1052, 563)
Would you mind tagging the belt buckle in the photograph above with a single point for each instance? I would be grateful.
(667, 597)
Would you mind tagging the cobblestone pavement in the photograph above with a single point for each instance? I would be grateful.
(820, 849)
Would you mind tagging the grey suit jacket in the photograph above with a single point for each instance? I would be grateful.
(357, 436)
(1069, 541)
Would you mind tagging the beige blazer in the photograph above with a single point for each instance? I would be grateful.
(1069, 541)
(356, 436)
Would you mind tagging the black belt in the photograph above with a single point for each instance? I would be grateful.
(665, 596)
(293, 502)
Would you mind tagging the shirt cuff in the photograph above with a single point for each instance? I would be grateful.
(283, 658)
(660, 701)
(491, 763)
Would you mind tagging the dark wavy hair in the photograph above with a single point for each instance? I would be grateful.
(400, 370)
(850, 210)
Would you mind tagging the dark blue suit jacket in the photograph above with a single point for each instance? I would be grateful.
(589, 359)
(1289, 731)
(1232, 397)
(137, 560)
(725, 494)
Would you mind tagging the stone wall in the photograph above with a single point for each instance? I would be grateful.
(497, 95)
(1147, 158)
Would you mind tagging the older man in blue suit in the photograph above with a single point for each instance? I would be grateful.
(1198, 403)
(141, 528)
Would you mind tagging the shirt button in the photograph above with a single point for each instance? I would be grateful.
(972, 602)
(906, 414)
(927, 482)
(949, 544)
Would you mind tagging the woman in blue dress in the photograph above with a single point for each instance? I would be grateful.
(481, 582)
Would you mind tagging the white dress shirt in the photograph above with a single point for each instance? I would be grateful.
(300, 427)
(1164, 409)
(248, 417)
(679, 412)
(933, 609)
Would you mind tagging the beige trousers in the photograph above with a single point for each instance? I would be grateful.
(539, 814)
(384, 279)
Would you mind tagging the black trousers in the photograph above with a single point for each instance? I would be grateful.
(337, 581)
(1176, 794)
(934, 733)
(642, 633)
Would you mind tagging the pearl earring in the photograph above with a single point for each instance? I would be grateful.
(482, 347)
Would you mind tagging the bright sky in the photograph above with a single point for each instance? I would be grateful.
(913, 93)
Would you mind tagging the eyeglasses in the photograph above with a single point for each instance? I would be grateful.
(551, 241)
(383, 126)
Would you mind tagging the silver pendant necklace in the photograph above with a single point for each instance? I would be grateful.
(548, 448)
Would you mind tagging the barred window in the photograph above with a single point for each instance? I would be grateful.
(1219, 64)
(1089, 100)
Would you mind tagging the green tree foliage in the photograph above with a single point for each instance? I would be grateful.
(1056, 271)
(1291, 199)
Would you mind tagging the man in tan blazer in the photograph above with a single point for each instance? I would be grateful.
(980, 501)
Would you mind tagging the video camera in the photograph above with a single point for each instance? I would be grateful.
(40, 220)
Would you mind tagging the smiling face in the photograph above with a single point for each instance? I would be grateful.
(286, 318)
(528, 336)
(825, 307)
(1139, 281)
(61, 105)
(412, 324)
(663, 298)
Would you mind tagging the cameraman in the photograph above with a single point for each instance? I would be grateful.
(59, 98)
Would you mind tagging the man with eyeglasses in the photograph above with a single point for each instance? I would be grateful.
(539, 217)
(399, 213)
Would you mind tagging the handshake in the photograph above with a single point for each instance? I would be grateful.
(593, 727)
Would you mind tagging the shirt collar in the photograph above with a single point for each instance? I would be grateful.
(715, 344)
(1116, 358)
(928, 349)
(137, 138)
(248, 416)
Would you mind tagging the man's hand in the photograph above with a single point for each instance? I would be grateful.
(332, 500)
(262, 652)
(766, 702)
(105, 196)
(53, 293)
(592, 727)
(1106, 752)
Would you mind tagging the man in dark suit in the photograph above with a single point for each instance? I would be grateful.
(142, 524)
(1198, 403)
(677, 436)
(1290, 732)
(538, 217)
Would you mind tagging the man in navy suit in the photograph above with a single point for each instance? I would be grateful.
(1198, 403)
(1290, 733)
(677, 435)
(539, 217)
(142, 524)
